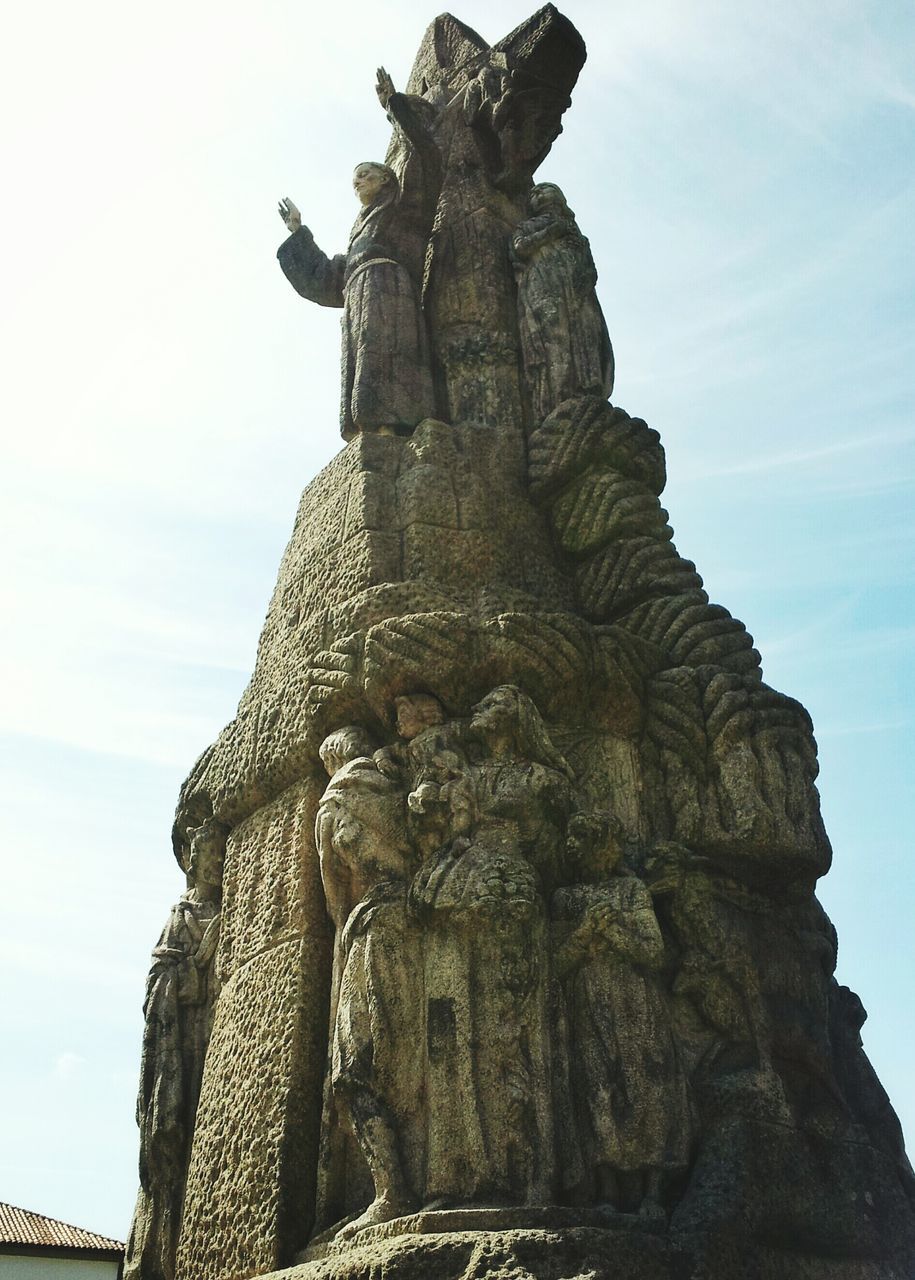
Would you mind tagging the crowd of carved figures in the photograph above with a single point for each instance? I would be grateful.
(525, 1008)
(525, 1011)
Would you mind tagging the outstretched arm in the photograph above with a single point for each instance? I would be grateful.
(310, 272)
(384, 87)
(413, 117)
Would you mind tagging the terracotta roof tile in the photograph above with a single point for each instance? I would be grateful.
(21, 1227)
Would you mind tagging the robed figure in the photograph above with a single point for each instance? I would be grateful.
(385, 365)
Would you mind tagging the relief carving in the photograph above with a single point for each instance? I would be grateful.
(628, 1085)
(385, 366)
(564, 340)
(177, 1013)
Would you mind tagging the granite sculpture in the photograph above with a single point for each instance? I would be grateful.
(178, 1012)
(565, 345)
(386, 371)
(520, 971)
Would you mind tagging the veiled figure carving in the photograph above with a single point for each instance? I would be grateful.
(716, 970)
(482, 900)
(177, 1016)
(376, 1070)
(629, 1091)
(564, 340)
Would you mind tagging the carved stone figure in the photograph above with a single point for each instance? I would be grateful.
(482, 900)
(177, 1019)
(628, 1087)
(716, 965)
(564, 338)
(343, 746)
(500, 109)
(417, 712)
(863, 1092)
(366, 860)
(386, 373)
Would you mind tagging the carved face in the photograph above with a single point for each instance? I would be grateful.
(349, 832)
(593, 845)
(496, 714)
(369, 180)
(207, 854)
(547, 198)
(344, 745)
(361, 816)
(417, 711)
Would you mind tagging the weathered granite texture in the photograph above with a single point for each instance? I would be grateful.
(178, 1012)
(500, 955)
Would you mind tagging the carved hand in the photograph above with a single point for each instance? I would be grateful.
(384, 87)
(602, 917)
(290, 214)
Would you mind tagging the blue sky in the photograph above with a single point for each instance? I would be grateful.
(745, 175)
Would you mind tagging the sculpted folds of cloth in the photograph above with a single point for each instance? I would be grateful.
(386, 370)
(564, 339)
(177, 1018)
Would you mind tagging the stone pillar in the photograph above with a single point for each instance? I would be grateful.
(250, 1188)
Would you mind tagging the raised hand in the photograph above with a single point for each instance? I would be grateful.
(290, 214)
(384, 87)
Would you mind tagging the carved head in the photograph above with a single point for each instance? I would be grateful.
(374, 183)
(206, 856)
(343, 745)
(363, 814)
(507, 720)
(850, 1008)
(593, 845)
(546, 197)
(417, 711)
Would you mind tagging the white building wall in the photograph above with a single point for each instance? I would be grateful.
(17, 1267)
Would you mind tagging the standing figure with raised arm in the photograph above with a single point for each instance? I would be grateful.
(386, 369)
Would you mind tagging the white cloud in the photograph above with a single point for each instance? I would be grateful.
(68, 1066)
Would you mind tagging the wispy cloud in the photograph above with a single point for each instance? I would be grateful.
(68, 1065)
(842, 645)
(804, 457)
(853, 730)
(811, 634)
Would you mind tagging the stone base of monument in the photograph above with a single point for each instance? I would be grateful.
(541, 1244)
(578, 1243)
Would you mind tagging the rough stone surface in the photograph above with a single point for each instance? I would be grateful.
(178, 1014)
(520, 969)
(256, 1136)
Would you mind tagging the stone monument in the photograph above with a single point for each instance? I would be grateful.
(500, 955)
